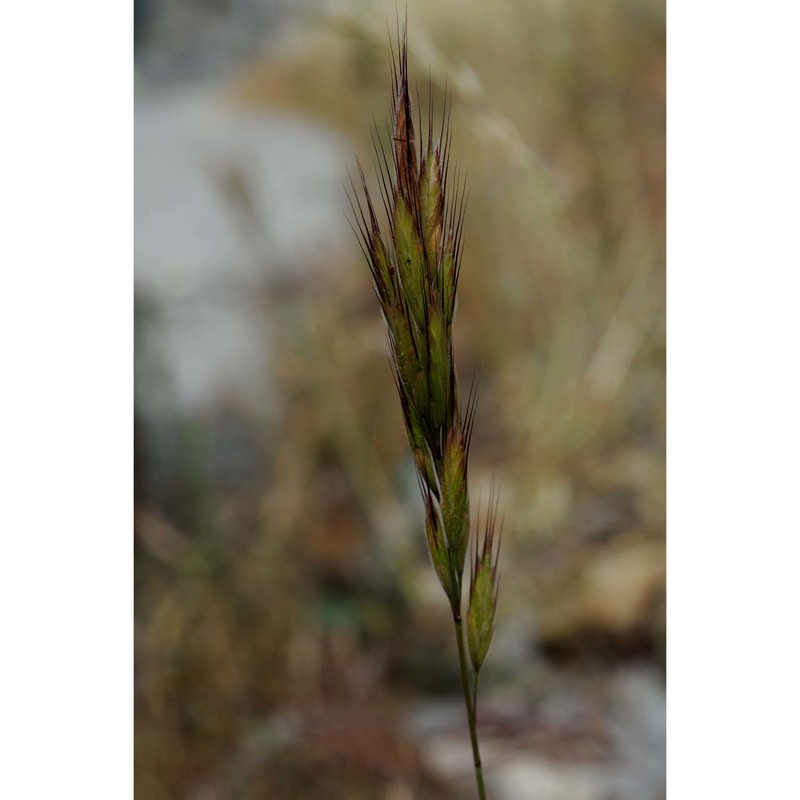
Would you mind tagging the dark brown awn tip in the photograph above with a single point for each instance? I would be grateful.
(405, 154)
(469, 416)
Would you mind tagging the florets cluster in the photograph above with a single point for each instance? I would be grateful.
(415, 262)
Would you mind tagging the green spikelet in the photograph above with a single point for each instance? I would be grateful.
(410, 260)
(431, 203)
(440, 374)
(483, 588)
(440, 552)
(455, 500)
(420, 450)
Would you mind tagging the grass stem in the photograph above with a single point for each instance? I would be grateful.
(473, 730)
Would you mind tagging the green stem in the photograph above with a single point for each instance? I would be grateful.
(473, 730)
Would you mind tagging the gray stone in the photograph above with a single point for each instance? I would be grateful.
(590, 737)
(233, 209)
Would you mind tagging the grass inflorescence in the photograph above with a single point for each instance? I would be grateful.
(415, 261)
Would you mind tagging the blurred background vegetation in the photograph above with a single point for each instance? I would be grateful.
(291, 639)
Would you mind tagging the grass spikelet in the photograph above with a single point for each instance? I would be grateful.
(483, 588)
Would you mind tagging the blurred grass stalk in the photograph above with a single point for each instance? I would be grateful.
(415, 269)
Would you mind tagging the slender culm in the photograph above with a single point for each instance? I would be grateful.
(415, 260)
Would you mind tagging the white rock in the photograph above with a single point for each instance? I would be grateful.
(542, 780)
(229, 203)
